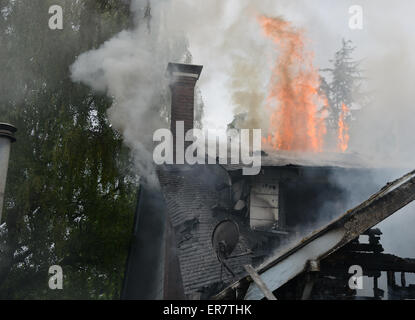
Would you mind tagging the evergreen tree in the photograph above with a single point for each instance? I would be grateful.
(70, 194)
(343, 85)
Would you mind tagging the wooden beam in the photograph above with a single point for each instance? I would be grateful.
(403, 279)
(257, 279)
(365, 247)
(369, 262)
(308, 288)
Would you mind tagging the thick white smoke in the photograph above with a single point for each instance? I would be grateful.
(131, 67)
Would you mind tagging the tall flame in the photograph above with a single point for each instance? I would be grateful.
(343, 134)
(295, 123)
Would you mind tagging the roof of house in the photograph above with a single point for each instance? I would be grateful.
(272, 158)
(191, 194)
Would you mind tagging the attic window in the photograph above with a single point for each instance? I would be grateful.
(264, 209)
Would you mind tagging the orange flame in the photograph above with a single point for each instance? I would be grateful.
(343, 134)
(293, 97)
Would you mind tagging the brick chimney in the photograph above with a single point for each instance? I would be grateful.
(183, 80)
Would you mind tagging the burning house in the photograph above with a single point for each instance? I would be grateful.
(208, 231)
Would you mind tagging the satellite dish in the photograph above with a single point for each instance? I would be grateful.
(225, 237)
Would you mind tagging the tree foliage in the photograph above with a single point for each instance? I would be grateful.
(343, 84)
(70, 194)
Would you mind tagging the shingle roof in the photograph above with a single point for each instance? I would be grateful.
(190, 194)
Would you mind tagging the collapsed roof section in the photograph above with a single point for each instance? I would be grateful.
(286, 265)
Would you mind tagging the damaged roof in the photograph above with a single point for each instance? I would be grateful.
(191, 194)
(285, 265)
(273, 158)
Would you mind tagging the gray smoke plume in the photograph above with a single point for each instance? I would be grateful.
(131, 68)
